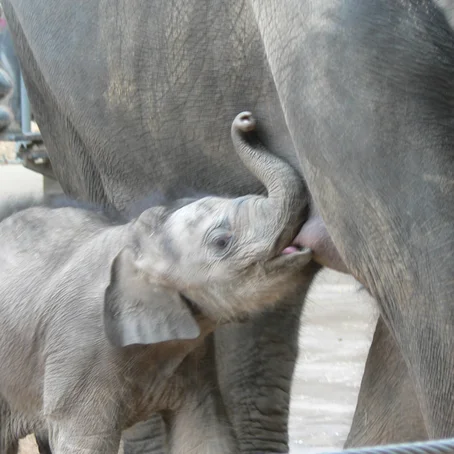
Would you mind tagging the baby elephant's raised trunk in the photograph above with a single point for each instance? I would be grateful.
(283, 209)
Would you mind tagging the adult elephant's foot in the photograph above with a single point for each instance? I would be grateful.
(315, 236)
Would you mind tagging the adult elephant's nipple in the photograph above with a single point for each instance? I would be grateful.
(314, 235)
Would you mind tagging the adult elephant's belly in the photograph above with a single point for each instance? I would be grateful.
(149, 110)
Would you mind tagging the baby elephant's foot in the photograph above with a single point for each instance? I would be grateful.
(244, 122)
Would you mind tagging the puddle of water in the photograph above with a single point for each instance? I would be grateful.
(335, 336)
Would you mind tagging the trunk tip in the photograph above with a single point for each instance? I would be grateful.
(244, 122)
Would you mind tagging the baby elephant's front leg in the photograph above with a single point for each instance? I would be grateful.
(42, 442)
(68, 438)
(200, 426)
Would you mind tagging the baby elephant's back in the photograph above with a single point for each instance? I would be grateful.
(46, 232)
(35, 245)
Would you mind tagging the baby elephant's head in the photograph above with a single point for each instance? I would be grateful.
(223, 258)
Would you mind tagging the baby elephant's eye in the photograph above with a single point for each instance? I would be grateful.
(222, 240)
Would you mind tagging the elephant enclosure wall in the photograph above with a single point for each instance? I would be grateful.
(335, 336)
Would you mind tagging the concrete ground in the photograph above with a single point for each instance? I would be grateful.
(335, 336)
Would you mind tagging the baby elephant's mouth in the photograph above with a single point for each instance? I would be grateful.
(293, 257)
(292, 249)
(295, 250)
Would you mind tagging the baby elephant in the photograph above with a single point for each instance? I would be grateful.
(102, 324)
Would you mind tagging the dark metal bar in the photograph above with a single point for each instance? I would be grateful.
(427, 447)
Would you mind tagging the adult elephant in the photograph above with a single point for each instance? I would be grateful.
(135, 96)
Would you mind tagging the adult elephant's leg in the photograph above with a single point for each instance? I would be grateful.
(387, 410)
(256, 361)
(367, 91)
(148, 437)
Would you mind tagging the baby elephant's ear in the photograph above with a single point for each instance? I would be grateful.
(138, 311)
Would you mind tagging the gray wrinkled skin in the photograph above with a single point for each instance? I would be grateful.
(166, 135)
(104, 324)
(359, 94)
